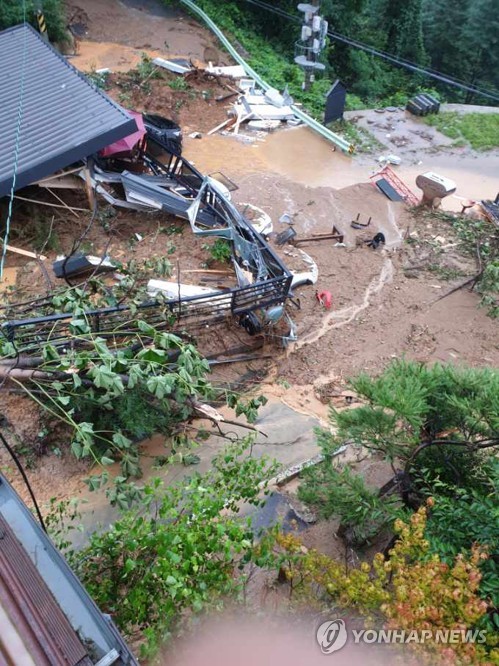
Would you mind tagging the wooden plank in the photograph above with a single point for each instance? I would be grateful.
(229, 122)
(89, 188)
(46, 203)
(25, 253)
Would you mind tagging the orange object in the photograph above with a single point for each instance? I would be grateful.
(324, 298)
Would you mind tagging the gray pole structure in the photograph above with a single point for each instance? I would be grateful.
(309, 72)
(312, 41)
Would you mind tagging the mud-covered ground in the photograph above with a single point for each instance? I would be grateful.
(384, 301)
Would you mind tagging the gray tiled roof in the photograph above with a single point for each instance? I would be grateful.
(65, 118)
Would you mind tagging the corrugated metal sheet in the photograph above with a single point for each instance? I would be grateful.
(39, 622)
(44, 563)
(65, 118)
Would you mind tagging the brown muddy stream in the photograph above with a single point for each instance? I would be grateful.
(306, 158)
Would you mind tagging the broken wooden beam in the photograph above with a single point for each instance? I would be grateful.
(25, 253)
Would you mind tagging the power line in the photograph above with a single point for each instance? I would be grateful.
(25, 479)
(17, 144)
(400, 62)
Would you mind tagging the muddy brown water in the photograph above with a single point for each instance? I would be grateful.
(116, 57)
(306, 158)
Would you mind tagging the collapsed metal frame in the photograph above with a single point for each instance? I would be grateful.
(251, 253)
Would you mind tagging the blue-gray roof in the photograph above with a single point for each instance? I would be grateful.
(65, 118)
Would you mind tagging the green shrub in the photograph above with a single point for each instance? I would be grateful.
(11, 13)
(480, 130)
(181, 551)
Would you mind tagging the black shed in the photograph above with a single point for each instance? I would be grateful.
(64, 117)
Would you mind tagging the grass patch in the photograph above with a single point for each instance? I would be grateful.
(480, 130)
(361, 138)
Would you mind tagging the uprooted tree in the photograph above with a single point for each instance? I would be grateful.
(114, 389)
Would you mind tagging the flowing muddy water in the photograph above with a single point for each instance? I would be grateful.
(307, 158)
(340, 318)
(304, 157)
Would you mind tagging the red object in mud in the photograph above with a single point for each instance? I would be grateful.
(324, 298)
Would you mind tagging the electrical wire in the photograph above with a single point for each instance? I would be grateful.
(401, 61)
(25, 479)
(17, 144)
(396, 60)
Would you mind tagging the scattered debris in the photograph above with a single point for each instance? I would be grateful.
(226, 123)
(334, 235)
(491, 210)
(325, 299)
(435, 188)
(393, 187)
(390, 159)
(177, 66)
(79, 264)
(177, 290)
(375, 242)
(355, 224)
(232, 71)
(264, 125)
(258, 105)
(286, 218)
(25, 253)
(127, 143)
(258, 218)
(165, 131)
(285, 236)
(305, 277)
(422, 105)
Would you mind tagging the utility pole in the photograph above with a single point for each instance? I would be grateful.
(312, 42)
(40, 18)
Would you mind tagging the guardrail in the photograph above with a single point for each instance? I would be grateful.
(271, 286)
(339, 141)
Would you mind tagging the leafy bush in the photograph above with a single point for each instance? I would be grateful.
(182, 551)
(219, 251)
(410, 403)
(458, 523)
(344, 494)
(412, 590)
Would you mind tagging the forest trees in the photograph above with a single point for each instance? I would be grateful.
(11, 13)
(458, 39)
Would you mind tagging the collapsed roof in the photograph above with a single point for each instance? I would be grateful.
(64, 117)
